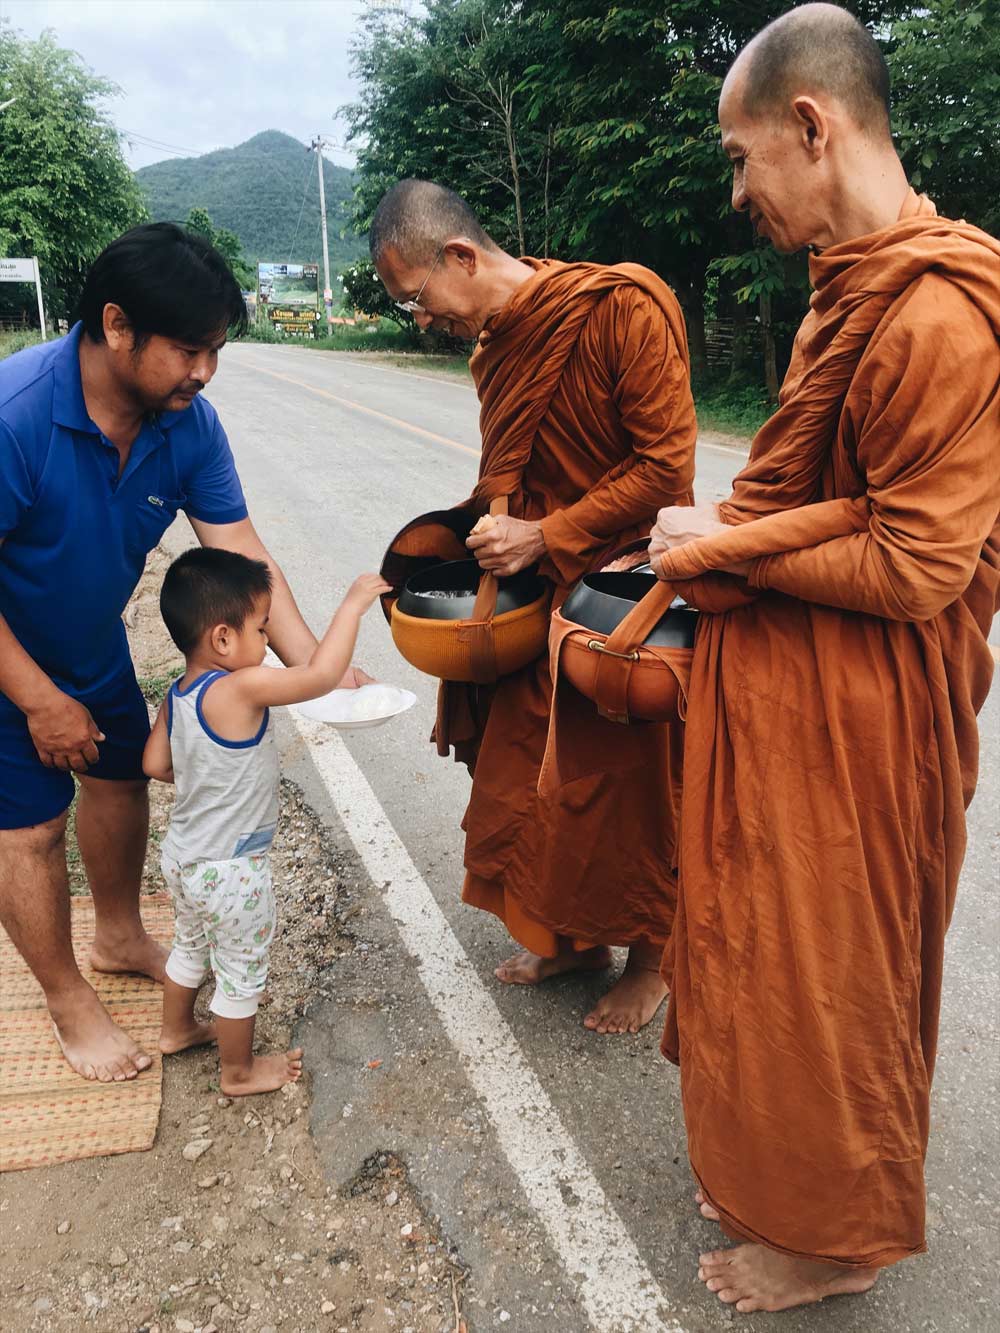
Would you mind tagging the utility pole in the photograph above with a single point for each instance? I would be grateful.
(317, 147)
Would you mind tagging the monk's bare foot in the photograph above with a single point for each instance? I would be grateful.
(140, 953)
(265, 1073)
(194, 1033)
(752, 1277)
(705, 1208)
(94, 1046)
(630, 1003)
(528, 969)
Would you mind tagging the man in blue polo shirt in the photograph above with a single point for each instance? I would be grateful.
(103, 438)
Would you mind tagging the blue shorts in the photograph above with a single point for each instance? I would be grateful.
(30, 793)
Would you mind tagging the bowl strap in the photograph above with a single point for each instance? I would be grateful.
(479, 628)
(620, 651)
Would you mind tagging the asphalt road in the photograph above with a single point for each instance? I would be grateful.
(335, 456)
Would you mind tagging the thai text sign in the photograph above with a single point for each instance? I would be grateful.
(17, 270)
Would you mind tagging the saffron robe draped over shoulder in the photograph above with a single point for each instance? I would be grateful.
(588, 427)
(832, 749)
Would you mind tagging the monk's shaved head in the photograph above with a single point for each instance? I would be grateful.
(416, 217)
(817, 48)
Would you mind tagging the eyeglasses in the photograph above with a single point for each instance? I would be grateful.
(414, 307)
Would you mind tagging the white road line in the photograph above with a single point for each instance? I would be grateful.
(618, 1291)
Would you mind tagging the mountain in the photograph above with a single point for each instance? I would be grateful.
(266, 191)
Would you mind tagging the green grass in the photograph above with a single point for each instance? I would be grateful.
(382, 337)
(16, 342)
(78, 883)
(154, 688)
(733, 409)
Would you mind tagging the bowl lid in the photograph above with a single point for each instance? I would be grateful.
(448, 591)
(600, 602)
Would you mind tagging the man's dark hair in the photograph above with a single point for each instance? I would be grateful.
(819, 48)
(416, 217)
(207, 586)
(169, 282)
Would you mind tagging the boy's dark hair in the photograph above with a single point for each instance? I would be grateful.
(168, 281)
(206, 586)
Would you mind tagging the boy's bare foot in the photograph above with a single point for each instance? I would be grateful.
(141, 954)
(177, 1039)
(95, 1047)
(705, 1208)
(752, 1277)
(265, 1073)
(630, 1003)
(528, 969)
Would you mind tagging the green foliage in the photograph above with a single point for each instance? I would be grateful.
(227, 244)
(945, 62)
(265, 192)
(578, 128)
(441, 98)
(364, 291)
(589, 130)
(65, 189)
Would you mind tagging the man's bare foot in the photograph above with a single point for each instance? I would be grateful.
(705, 1208)
(140, 954)
(94, 1046)
(630, 1003)
(265, 1073)
(173, 1040)
(752, 1277)
(528, 969)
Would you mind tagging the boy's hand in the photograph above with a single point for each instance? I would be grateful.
(64, 733)
(354, 678)
(364, 590)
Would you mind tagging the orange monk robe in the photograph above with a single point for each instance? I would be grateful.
(831, 752)
(593, 862)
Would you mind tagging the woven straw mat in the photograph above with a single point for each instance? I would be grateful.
(48, 1114)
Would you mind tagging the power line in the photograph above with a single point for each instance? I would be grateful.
(305, 191)
(149, 142)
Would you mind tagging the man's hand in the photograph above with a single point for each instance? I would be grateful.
(679, 524)
(64, 733)
(507, 545)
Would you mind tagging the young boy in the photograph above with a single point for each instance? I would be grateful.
(213, 737)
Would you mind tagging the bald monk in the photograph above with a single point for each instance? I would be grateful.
(588, 428)
(831, 737)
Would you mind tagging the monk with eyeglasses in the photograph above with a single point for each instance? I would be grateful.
(588, 429)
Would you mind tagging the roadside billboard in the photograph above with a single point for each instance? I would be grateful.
(289, 296)
(25, 270)
(289, 284)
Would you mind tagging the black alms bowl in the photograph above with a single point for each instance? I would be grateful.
(460, 579)
(602, 601)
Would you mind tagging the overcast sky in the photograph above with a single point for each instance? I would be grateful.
(204, 74)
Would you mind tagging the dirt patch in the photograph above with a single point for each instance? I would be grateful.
(248, 1235)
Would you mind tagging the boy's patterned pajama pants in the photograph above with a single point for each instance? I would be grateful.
(224, 921)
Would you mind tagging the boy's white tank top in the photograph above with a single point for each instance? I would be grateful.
(227, 791)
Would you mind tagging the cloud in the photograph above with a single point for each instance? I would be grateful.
(202, 74)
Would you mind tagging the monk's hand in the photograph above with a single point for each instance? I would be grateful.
(354, 678)
(507, 545)
(679, 524)
(63, 732)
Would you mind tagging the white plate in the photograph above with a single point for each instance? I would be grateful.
(342, 708)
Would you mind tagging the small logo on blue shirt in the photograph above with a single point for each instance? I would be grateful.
(155, 500)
